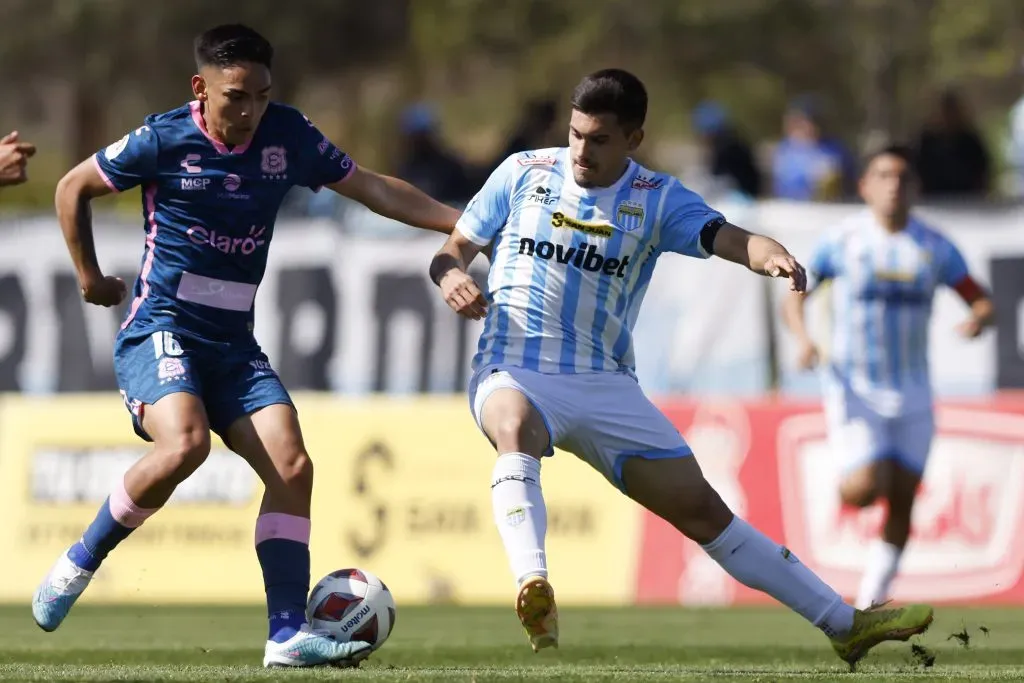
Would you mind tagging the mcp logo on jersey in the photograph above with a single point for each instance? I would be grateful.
(584, 257)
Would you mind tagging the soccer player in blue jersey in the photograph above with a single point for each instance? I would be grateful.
(885, 265)
(577, 232)
(213, 174)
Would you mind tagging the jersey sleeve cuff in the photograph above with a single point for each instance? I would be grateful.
(342, 179)
(474, 236)
(103, 174)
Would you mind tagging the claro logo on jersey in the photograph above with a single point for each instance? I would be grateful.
(225, 243)
(584, 257)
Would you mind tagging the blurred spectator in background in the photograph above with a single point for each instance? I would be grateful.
(728, 157)
(808, 165)
(951, 156)
(425, 162)
(534, 130)
(1015, 145)
(14, 156)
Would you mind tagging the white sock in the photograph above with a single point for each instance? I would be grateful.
(520, 513)
(883, 561)
(756, 561)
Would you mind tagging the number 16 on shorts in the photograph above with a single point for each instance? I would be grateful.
(167, 350)
(166, 344)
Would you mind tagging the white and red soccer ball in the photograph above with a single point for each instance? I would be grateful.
(352, 604)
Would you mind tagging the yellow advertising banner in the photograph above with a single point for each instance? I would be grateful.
(402, 488)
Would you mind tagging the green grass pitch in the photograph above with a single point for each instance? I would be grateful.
(157, 643)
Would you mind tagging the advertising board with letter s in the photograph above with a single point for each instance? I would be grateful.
(402, 488)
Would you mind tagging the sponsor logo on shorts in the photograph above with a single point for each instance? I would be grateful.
(261, 367)
(170, 369)
(133, 405)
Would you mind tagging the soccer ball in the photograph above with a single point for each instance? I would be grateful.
(352, 604)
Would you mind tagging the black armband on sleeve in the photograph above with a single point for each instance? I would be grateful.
(708, 233)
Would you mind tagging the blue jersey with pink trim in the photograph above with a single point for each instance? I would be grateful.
(209, 213)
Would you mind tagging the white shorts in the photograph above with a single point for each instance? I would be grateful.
(860, 435)
(602, 418)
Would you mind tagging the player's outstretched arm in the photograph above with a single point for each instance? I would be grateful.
(448, 271)
(760, 254)
(793, 315)
(398, 200)
(14, 156)
(983, 311)
(75, 191)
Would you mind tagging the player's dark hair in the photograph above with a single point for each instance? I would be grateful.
(893, 149)
(231, 44)
(612, 91)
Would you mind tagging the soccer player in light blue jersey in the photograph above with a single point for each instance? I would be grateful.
(214, 173)
(576, 233)
(885, 265)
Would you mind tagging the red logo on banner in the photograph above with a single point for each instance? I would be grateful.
(969, 509)
(773, 465)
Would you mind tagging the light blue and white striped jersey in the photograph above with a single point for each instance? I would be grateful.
(882, 289)
(571, 264)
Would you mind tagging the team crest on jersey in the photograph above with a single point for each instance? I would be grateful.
(532, 160)
(647, 183)
(274, 162)
(629, 215)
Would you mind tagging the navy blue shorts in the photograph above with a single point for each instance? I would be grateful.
(232, 379)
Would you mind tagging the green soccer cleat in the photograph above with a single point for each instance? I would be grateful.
(876, 625)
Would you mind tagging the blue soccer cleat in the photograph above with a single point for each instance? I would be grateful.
(58, 592)
(315, 648)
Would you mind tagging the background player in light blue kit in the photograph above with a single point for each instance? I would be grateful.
(214, 173)
(576, 233)
(885, 266)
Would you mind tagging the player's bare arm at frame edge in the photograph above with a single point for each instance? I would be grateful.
(75, 191)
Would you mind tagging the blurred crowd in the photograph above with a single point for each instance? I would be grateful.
(425, 160)
(807, 163)
(811, 164)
